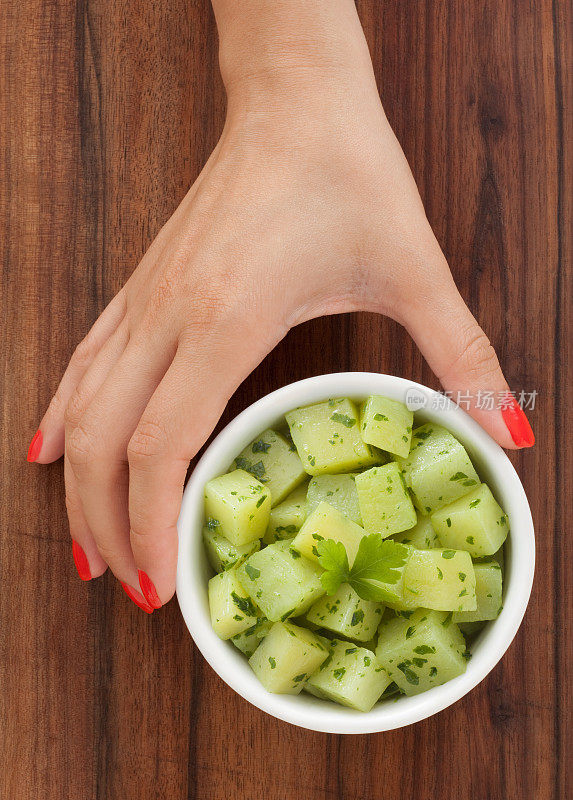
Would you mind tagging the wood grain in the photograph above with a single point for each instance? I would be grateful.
(107, 112)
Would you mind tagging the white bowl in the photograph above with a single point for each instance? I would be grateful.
(193, 570)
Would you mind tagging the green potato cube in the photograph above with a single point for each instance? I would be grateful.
(422, 536)
(488, 594)
(385, 505)
(438, 470)
(474, 522)
(274, 462)
(248, 641)
(232, 610)
(286, 519)
(326, 522)
(327, 438)
(287, 657)
(347, 614)
(443, 580)
(350, 676)
(423, 651)
(238, 506)
(222, 554)
(338, 491)
(281, 582)
(386, 424)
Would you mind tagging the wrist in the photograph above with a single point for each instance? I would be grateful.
(281, 50)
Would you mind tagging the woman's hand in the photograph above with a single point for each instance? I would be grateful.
(306, 207)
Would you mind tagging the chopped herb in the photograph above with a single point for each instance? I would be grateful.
(317, 537)
(338, 673)
(350, 650)
(380, 417)
(238, 617)
(252, 572)
(470, 539)
(260, 446)
(357, 617)
(448, 522)
(419, 662)
(463, 593)
(405, 438)
(312, 460)
(212, 523)
(469, 482)
(367, 661)
(459, 476)
(286, 529)
(474, 503)
(411, 631)
(448, 553)
(300, 677)
(272, 662)
(467, 655)
(294, 553)
(422, 434)
(447, 619)
(409, 674)
(462, 576)
(261, 500)
(433, 671)
(423, 649)
(405, 614)
(440, 574)
(344, 419)
(245, 604)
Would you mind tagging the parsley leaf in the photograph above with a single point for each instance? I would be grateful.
(378, 561)
(332, 556)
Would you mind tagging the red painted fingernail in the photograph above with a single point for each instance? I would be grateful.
(81, 562)
(35, 446)
(149, 590)
(517, 423)
(137, 598)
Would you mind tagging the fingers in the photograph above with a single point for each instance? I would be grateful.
(48, 442)
(100, 426)
(177, 421)
(460, 354)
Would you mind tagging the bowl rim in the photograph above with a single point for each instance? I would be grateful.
(304, 710)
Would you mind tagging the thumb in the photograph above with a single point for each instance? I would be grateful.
(461, 355)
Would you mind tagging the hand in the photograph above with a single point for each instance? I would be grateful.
(306, 207)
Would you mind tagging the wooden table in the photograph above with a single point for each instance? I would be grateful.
(107, 111)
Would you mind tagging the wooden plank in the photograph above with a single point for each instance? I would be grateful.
(107, 113)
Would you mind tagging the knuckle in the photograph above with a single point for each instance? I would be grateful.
(75, 409)
(477, 358)
(80, 447)
(85, 351)
(148, 442)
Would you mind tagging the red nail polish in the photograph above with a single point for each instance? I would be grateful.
(35, 446)
(81, 562)
(517, 423)
(137, 598)
(149, 590)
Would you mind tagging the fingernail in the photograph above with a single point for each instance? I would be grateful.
(81, 562)
(517, 423)
(35, 446)
(137, 598)
(149, 590)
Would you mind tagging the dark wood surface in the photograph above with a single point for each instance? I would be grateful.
(108, 109)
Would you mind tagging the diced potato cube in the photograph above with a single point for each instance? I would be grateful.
(385, 504)
(475, 522)
(440, 579)
(238, 505)
(327, 438)
(248, 641)
(222, 554)
(438, 470)
(339, 491)
(326, 522)
(281, 581)
(287, 657)
(387, 424)
(347, 614)
(350, 676)
(274, 462)
(286, 519)
(423, 651)
(488, 594)
(422, 536)
(232, 610)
